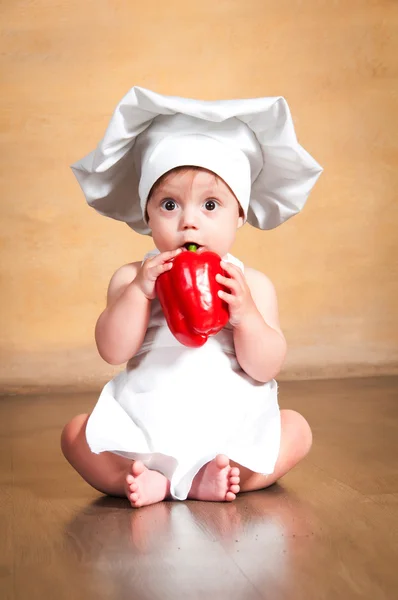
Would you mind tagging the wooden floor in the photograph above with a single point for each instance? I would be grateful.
(328, 530)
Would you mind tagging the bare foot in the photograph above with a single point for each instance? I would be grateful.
(216, 481)
(145, 487)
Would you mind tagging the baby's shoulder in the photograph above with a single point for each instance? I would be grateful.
(121, 279)
(257, 280)
(264, 295)
(126, 272)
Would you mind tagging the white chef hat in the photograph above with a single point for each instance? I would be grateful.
(251, 144)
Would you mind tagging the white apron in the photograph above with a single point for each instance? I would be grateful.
(175, 408)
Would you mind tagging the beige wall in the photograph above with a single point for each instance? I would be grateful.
(64, 66)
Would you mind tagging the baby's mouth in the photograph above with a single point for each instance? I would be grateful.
(192, 246)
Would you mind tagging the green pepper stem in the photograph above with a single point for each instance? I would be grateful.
(192, 247)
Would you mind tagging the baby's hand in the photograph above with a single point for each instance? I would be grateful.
(151, 269)
(239, 298)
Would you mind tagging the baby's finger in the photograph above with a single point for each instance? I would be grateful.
(156, 270)
(232, 270)
(162, 257)
(166, 256)
(228, 282)
(228, 298)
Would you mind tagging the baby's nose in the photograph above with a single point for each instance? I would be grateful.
(189, 219)
(189, 225)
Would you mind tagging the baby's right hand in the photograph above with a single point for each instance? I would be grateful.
(151, 269)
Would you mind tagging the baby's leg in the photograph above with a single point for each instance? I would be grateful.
(296, 441)
(110, 473)
(221, 479)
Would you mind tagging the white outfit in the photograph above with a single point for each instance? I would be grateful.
(175, 408)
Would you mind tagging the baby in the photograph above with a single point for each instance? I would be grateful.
(180, 422)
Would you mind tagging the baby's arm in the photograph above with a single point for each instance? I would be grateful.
(121, 327)
(260, 345)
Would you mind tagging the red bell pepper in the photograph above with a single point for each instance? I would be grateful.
(189, 299)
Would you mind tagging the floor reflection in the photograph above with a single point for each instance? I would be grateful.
(257, 531)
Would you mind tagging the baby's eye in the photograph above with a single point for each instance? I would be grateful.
(210, 204)
(168, 204)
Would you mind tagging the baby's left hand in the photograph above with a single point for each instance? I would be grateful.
(239, 298)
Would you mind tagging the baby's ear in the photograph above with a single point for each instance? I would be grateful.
(241, 217)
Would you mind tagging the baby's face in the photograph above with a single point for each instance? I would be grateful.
(193, 206)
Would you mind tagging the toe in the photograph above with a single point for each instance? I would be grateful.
(133, 486)
(230, 496)
(137, 468)
(234, 480)
(234, 489)
(222, 461)
(235, 472)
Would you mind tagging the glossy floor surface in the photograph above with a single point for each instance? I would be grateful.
(327, 530)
